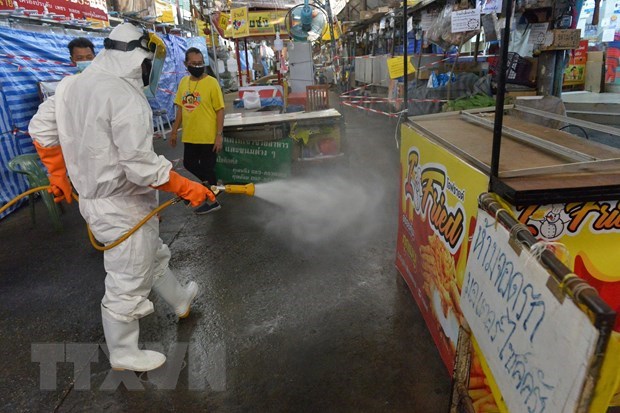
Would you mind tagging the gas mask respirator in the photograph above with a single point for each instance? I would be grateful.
(147, 66)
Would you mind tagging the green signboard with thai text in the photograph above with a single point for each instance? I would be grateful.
(242, 161)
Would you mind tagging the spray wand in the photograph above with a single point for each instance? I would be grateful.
(247, 189)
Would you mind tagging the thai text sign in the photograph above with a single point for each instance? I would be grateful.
(537, 348)
(239, 20)
(465, 20)
(80, 9)
(254, 161)
(260, 23)
(264, 23)
(396, 67)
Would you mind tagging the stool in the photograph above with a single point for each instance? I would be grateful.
(35, 175)
(158, 121)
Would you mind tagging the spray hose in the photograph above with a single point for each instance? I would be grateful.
(93, 241)
(232, 189)
(100, 247)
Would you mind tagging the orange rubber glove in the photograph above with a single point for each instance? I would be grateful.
(55, 163)
(187, 189)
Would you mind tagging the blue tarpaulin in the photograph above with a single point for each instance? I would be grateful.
(27, 58)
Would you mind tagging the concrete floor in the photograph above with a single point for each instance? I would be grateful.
(284, 322)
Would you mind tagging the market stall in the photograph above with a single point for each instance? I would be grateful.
(261, 146)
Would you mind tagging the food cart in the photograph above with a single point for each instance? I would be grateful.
(562, 189)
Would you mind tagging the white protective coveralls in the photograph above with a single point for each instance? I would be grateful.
(103, 123)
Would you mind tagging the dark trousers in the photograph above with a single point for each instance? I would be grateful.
(199, 159)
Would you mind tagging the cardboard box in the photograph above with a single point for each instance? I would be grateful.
(562, 39)
(366, 14)
(594, 75)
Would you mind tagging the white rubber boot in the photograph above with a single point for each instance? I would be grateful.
(179, 298)
(122, 340)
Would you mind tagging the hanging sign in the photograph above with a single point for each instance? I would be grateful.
(396, 67)
(465, 20)
(222, 24)
(538, 33)
(490, 6)
(537, 347)
(261, 23)
(337, 6)
(240, 22)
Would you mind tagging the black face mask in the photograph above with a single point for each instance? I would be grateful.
(146, 71)
(196, 71)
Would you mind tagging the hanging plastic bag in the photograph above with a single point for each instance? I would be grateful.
(432, 81)
(440, 31)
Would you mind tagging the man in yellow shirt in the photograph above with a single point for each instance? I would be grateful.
(200, 110)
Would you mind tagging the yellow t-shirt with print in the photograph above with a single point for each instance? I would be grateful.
(199, 102)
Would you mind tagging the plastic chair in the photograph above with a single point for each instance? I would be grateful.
(29, 165)
(159, 115)
(317, 97)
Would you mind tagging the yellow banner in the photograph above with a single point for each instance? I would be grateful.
(263, 23)
(260, 23)
(224, 25)
(240, 22)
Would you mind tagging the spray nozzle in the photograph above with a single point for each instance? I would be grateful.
(247, 189)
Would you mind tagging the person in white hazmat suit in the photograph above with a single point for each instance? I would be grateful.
(99, 124)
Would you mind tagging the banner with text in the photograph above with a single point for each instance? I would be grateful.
(439, 203)
(80, 9)
(243, 161)
(260, 23)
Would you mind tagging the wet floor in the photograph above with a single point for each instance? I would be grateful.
(301, 308)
